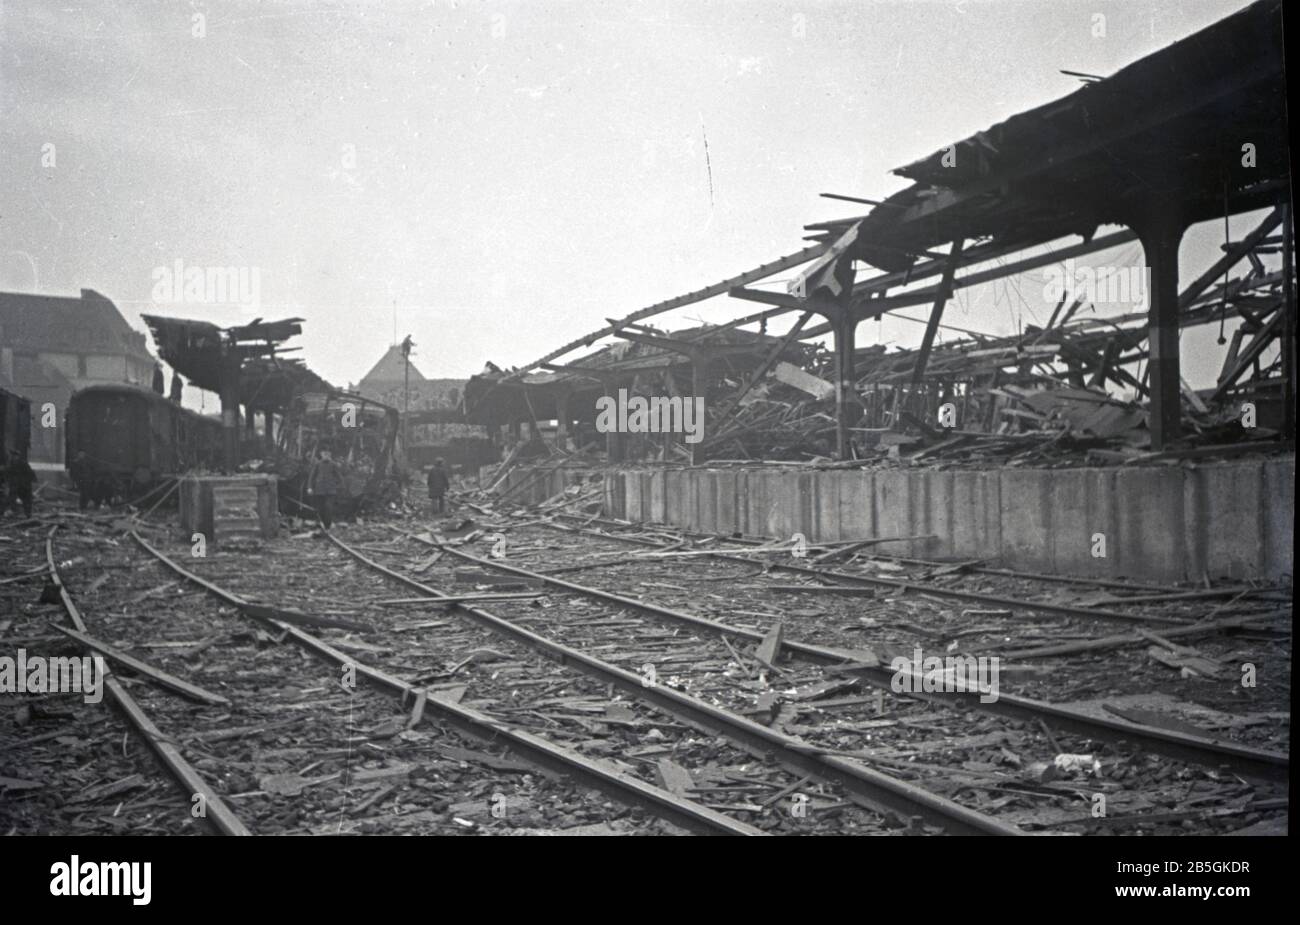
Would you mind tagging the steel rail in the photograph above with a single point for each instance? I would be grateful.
(900, 585)
(825, 655)
(605, 778)
(865, 785)
(218, 814)
(909, 560)
(1253, 762)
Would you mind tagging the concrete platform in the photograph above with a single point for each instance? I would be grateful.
(1232, 520)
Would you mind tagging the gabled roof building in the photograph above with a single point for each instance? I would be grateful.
(50, 346)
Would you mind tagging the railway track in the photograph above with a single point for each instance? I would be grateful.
(506, 678)
(868, 786)
(848, 718)
(66, 763)
(1010, 633)
(1152, 595)
(552, 690)
(1267, 768)
(1256, 762)
(299, 752)
(579, 771)
(279, 738)
(218, 815)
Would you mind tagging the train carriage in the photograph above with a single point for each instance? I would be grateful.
(15, 425)
(133, 437)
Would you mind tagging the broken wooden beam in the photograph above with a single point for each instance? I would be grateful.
(298, 618)
(459, 598)
(1130, 639)
(769, 650)
(157, 675)
(1178, 596)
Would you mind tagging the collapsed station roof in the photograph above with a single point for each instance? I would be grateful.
(725, 350)
(267, 380)
(1167, 130)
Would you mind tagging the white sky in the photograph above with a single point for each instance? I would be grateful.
(522, 170)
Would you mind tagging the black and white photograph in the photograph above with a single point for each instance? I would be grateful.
(646, 418)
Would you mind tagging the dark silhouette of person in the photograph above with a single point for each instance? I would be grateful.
(438, 483)
(84, 478)
(21, 478)
(324, 484)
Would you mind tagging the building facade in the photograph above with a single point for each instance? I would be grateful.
(420, 399)
(50, 346)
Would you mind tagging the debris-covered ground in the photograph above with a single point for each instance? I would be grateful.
(791, 648)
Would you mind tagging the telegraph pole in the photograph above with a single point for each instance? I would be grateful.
(407, 344)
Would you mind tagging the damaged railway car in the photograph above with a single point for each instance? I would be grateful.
(134, 438)
(15, 425)
(360, 433)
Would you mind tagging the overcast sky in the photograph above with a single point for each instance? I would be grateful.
(504, 176)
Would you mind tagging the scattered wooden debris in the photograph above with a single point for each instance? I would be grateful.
(1189, 661)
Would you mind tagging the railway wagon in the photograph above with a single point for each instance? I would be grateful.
(15, 425)
(133, 437)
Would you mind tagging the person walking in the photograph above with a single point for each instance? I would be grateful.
(323, 485)
(438, 484)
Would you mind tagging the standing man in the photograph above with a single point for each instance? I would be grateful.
(83, 478)
(323, 485)
(438, 484)
(21, 478)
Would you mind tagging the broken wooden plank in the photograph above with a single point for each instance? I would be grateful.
(417, 711)
(424, 564)
(497, 763)
(673, 777)
(1107, 600)
(1184, 663)
(1129, 639)
(111, 789)
(298, 618)
(235, 732)
(769, 650)
(14, 783)
(373, 800)
(38, 573)
(825, 689)
(459, 598)
(848, 548)
(157, 675)
(1154, 719)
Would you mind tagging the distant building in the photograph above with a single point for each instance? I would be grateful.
(51, 346)
(387, 382)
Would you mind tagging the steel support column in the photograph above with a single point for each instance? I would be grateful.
(562, 418)
(1288, 324)
(846, 326)
(1161, 231)
(230, 365)
(932, 325)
